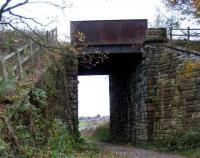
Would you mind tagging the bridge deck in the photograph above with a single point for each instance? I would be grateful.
(108, 32)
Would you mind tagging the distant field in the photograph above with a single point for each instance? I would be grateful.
(86, 122)
(82, 125)
(95, 129)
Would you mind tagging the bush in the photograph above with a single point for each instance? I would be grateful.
(188, 139)
(6, 87)
(100, 133)
(30, 130)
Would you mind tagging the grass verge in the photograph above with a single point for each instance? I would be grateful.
(189, 45)
(100, 133)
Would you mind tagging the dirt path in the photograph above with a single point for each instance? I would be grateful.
(131, 152)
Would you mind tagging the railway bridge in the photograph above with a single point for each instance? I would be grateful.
(154, 86)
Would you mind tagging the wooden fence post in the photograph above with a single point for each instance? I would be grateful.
(47, 36)
(188, 33)
(5, 72)
(19, 64)
(31, 52)
(56, 34)
(170, 34)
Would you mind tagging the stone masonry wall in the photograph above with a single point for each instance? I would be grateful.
(173, 91)
(127, 105)
(118, 107)
(139, 128)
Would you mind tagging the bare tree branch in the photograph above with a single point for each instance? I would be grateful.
(50, 3)
(28, 18)
(15, 6)
(15, 21)
(33, 31)
(52, 49)
(7, 21)
(186, 7)
(3, 7)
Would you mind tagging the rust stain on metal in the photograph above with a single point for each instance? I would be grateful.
(107, 32)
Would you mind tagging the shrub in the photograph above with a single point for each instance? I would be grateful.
(100, 133)
(188, 139)
(6, 87)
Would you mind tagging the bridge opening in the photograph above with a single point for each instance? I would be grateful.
(93, 95)
(126, 84)
(94, 101)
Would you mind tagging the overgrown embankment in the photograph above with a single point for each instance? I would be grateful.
(28, 124)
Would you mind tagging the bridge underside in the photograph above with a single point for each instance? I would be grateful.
(127, 94)
(115, 63)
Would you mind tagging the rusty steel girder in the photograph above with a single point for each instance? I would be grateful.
(108, 32)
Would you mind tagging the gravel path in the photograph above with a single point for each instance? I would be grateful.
(130, 152)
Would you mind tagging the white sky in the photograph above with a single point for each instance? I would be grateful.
(93, 95)
(93, 91)
(90, 10)
(110, 9)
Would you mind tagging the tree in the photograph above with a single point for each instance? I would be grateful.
(12, 18)
(6, 8)
(167, 20)
(186, 7)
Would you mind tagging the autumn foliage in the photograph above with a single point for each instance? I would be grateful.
(186, 6)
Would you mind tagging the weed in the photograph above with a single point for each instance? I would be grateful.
(152, 99)
(6, 87)
(185, 143)
(188, 139)
(82, 125)
(100, 133)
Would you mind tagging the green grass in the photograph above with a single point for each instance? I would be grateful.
(192, 153)
(6, 87)
(82, 125)
(100, 133)
(186, 143)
